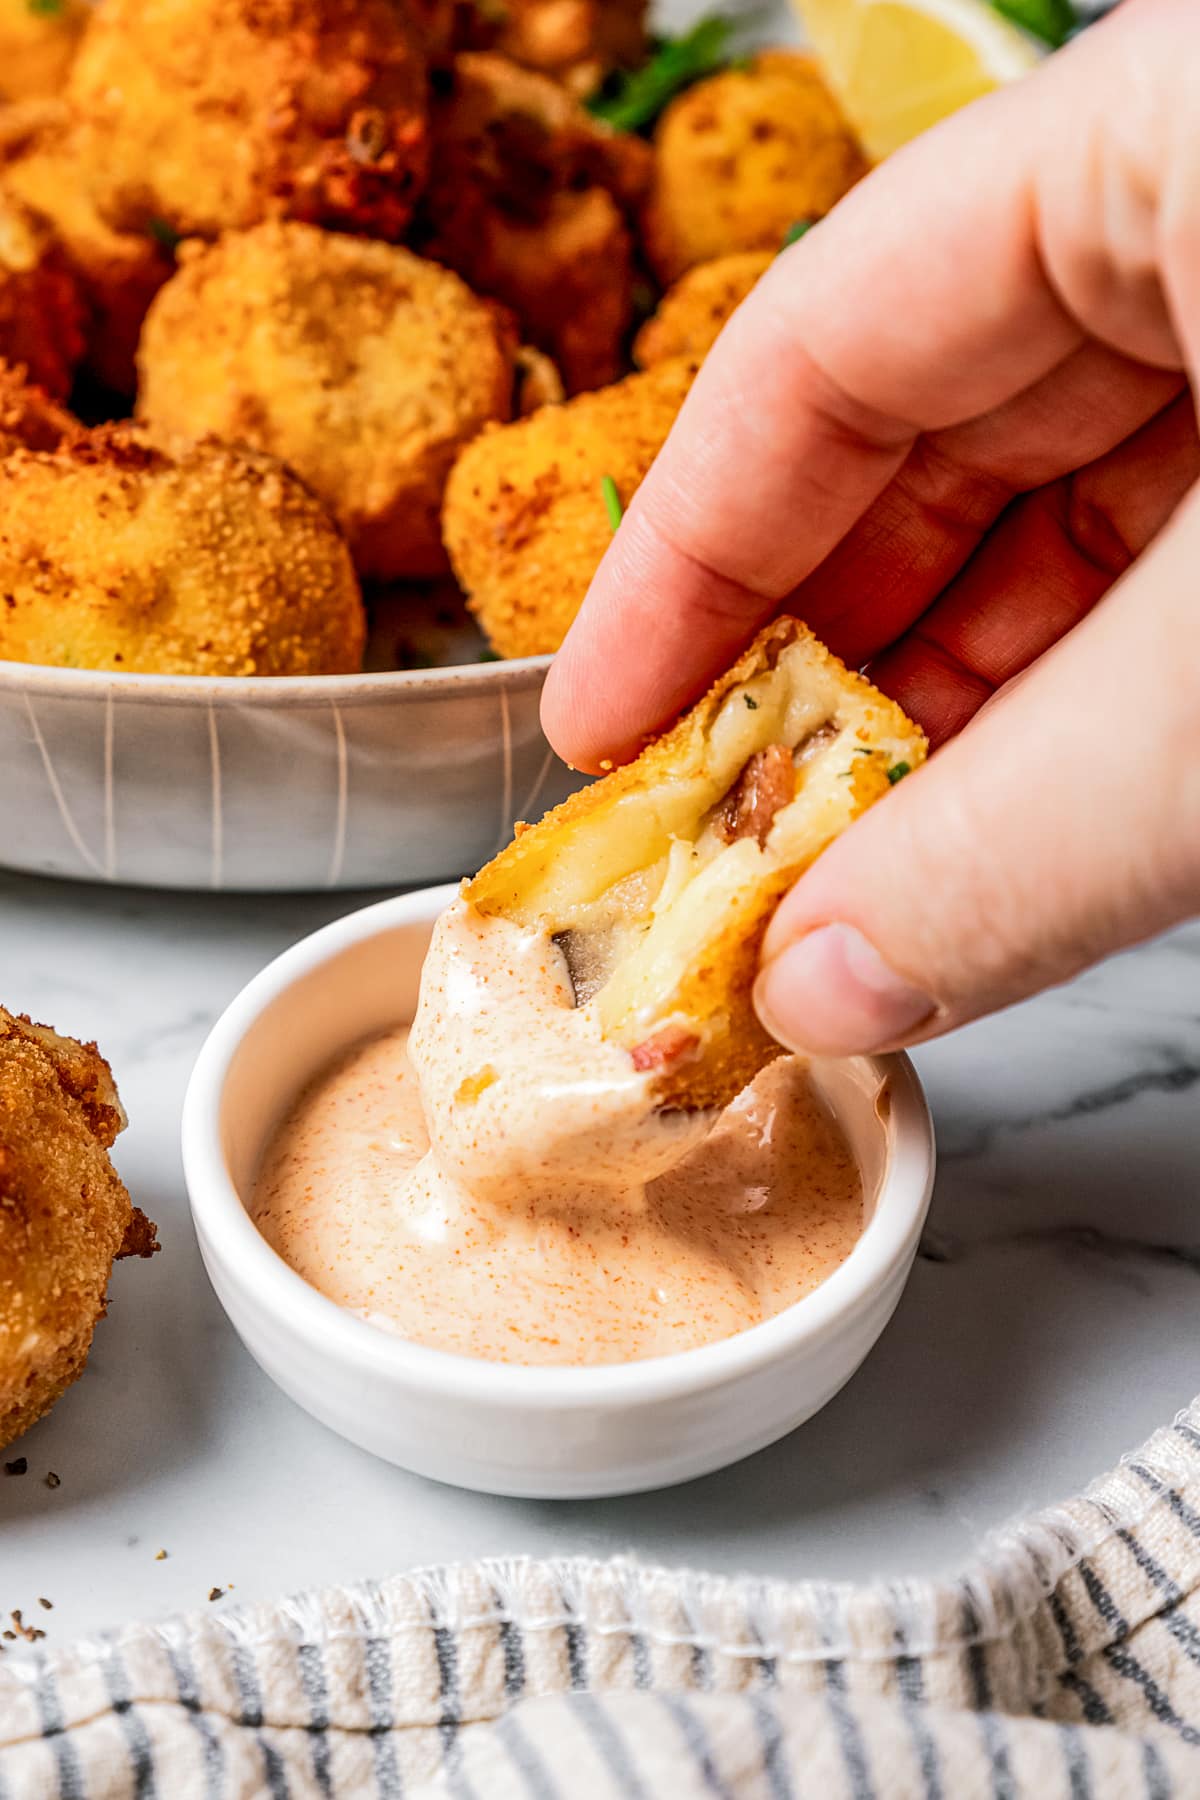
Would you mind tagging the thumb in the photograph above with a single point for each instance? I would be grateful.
(1063, 824)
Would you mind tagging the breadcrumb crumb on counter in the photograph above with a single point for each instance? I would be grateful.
(115, 555)
(525, 520)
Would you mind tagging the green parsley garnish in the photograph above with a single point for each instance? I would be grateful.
(752, 704)
(633, 99)
(45, 9)
(164, 235)
(796, 231)
(898, 771)
(490, 656)
(1051, 20)
(612, 501)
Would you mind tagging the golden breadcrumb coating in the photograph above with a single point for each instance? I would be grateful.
(41, 311)
(363, 367)
(658, 881)
(525, 521)
(207, 115)
(692, 314)
(578, 42)
(38, 45)
(527, 199)
(29, 418)
(64, 1213)
(118, 273)
(114, 555)
(741, 157)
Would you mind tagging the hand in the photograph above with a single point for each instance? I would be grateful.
(952, 430)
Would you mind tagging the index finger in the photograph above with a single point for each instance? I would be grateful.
(921, 302)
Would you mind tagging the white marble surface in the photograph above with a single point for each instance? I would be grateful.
(1052, 1324)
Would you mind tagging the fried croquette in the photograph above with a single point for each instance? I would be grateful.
(114, 555)
(527, 200)
(201, 116)
(41, 309)
(741, 157)
(658, 881)
(578, 42)
(29, 418)
(64, 1213)
(38, 42)
(117, 273)
(525, 520)
(363, 367)
(692, 314)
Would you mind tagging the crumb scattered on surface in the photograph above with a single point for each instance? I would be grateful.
(215, 1593)
(17, 1467)
(53, 1480)
(160, 1556)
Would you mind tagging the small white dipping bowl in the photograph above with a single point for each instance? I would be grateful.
(549, 1433)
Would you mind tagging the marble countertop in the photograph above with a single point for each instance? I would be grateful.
(1050, 1323)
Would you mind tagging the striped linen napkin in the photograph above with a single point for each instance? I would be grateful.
(1063, 1665)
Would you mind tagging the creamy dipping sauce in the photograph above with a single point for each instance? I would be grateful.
(556, 1218)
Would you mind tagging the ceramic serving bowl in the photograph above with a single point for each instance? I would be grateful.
(543, 1432)
(337, 781)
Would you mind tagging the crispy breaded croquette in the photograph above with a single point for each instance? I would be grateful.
(41, 310)
(29, 418)
(363, 367)
(741, 157)
(527, 200)
(64, 1213)
(118, 273)
(114, 555)
(200, 116)
(38, 41)
(692, 314)
(578, 42)
(525, 520)
(658, 881)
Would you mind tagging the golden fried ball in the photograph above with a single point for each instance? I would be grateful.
(363, 367)
(692, 314)
(114, 555)
(205, 115)
(29, 418)
(37, 46)
(743, 156)
(64, 1213)
(117, 273)
(41, 310)
(525, 521)
(527, 200)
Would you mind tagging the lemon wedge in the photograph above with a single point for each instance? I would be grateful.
(898, 66)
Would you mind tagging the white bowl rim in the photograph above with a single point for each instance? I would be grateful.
(43, 680)
(222, 1220)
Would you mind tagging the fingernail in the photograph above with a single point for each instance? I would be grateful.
(832, 994)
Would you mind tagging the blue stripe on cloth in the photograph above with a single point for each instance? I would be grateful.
(1152, 1570)
(187, 1687)
(377, 1658)
(1104, 1603)
(512, 1647)
(311, 1661)
(1128, 1667)
(1094, 1709)
(1180, 1627)
(133, 1727)
(245, 1675)
(992, 1732)
(1072, 1648)
(910, 1677)
(71, 1784)
(849, 1734)
(1178, 1505)
(525, 1758)
(450, 1721)
(643, 1672)
(610, 1745)
(771, 1739)
(1158, 1782)
(701, 1668)
(576, 1658)
(1079, 1780)
(699, 1743)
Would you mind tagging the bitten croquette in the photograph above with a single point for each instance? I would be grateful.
(525, 521)
(363, 367)
(200, 116)
(64, 1213)
(743, 156)
(114, 555)
(692, 314)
